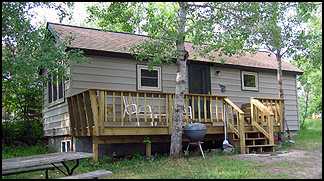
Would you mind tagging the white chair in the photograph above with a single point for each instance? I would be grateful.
(189, 113)
(131, 108)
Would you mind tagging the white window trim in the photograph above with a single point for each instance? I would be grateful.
(140, 87)
(66, 145)
(256, 88)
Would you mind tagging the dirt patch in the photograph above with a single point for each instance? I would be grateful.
(295, 163)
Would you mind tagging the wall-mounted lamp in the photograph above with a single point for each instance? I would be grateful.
(217, 72)
(222, 87)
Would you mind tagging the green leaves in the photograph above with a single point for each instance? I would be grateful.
(26, 50)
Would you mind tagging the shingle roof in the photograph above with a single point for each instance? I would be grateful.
(94, 39)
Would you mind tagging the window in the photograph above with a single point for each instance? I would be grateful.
(249, 80)
(148, 79)
(66, 145)
(55, 89)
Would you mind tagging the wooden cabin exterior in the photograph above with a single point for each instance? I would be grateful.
(88, 108)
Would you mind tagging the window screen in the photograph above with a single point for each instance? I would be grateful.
(149, 78)
(249, 80)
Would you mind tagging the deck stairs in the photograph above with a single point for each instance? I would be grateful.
(255, 140)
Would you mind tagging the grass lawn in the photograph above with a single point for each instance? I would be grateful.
(216, 165)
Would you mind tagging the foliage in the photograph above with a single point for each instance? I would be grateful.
(160, 21)
(20, 132)
(310, 61)
(309, 137)
(279, 27)
(19, 151)
(25, 51)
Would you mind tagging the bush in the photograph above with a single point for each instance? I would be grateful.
(22, 133)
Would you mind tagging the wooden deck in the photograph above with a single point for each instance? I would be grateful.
(101, 113)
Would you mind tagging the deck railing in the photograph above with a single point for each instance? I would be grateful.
(235, 121)
(93, 110)
(276, 106)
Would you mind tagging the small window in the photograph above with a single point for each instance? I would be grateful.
(55, 87)
(148, 79)
(66, 145)
(249, 81)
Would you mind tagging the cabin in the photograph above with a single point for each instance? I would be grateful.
(113, 100)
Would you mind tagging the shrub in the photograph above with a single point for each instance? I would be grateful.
(22, 132)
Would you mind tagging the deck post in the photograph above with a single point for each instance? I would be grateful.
(94, 108)
(95, 148)
(148, 149)
(242, 133)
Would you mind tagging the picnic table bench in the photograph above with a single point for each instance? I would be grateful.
(43, 162)
(90, 175)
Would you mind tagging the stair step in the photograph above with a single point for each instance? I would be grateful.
(252, 131)
(253, 146)
(255, 138)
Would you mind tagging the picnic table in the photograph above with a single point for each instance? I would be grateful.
(43, 162)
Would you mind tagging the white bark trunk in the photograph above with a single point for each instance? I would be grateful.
(281, 94)
(176, 136)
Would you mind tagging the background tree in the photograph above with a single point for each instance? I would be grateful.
(310, 61)
(209, 26)
(279, 32)
(25, 50)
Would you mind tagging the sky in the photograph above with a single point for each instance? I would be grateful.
(43, 15)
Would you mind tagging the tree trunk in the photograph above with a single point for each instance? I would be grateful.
(176, 136)
(281, 94)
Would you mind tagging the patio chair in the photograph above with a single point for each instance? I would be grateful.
(131, 108)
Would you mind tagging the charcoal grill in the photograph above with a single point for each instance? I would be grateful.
(195, 132)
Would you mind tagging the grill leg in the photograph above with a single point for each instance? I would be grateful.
(187, 152)
(46, 173)
(201, 150)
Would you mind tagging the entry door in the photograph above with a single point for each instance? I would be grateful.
(199, 83)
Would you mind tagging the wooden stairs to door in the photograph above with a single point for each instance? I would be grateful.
(255, 141)
(259, 131)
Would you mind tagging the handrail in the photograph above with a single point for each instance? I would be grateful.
(261, 106)
(267, 98)
(151, 92)
(228, 101)
(269, 118)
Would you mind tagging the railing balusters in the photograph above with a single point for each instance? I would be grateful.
(170, 114)
(121, 108)
(130, 111)
(186, 109)
(205, 109)
(160, 108)
(145, 119)
(199, 110)
(114, 106)
(216, 108)
(187, 101)
(137, 118)
(193, 106)
(211, 108)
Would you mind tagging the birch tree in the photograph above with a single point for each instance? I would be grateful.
(280, 31)
(208, 26)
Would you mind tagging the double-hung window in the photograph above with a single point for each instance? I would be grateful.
(148, 79)
(249, 80)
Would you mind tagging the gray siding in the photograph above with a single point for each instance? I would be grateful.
(268, 87)
(114, 73)
(120, 74)
(55, 117)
